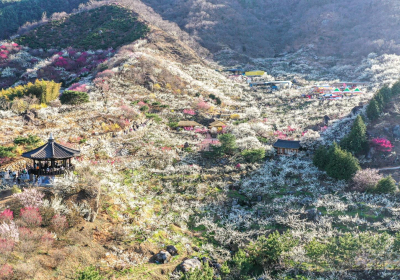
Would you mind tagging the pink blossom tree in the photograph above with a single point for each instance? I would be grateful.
(382, 144)
(6, 216)
(30, 198)
(31, 216)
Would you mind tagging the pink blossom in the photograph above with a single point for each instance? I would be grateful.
(382, 144)
(189, 112)
(6, 216)
(31, 216)
(6, 271)
(78, 87)
(202, 105)
(30, 198)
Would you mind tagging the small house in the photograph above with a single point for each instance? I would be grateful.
(285, 147)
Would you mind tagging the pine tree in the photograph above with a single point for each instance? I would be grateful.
(342, 164)
(373, 110)
(380, 100)
(356, 140)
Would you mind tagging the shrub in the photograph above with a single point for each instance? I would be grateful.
(9, 231)
(267, 251)
(59, 223)
(6, 246)
(6, 272)
(144, 108)
(47, 240)
(89, 273)
(31, 140)
(74, 97)
(206, 273)
(386, 185)
(253, 155)
(382, 144)
(45, 91)
(155, 117)
(31, 216)
(228, 146)
(7, 152)
(30, 198)
(365, 180)
(6, 216)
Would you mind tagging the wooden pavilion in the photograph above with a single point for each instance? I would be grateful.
(188, 124)
(51, 158)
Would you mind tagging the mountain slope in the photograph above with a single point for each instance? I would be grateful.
(262, 28)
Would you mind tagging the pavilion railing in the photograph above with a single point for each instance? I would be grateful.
(52, 171)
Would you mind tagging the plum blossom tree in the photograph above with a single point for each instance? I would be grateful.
(382, 144)
(365, 180)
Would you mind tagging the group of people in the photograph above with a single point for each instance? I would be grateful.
(15, 176)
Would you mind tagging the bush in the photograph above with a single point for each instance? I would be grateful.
(144, 108)
(59, 223)
(396, 88)
(31, 216)
(7, 152)
(45, 91)
(6, 272)
(206, 273)
(30, 198)
(386, 185)
(89, 273)
(6, 216)
(365, 180)
(31, 140)
(74, 97)
(253, 155)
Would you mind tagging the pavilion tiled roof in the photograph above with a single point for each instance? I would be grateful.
(51, 150)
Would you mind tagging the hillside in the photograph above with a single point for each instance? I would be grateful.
(15, 13)
(261, 28)
(101, 28)
(219, 194)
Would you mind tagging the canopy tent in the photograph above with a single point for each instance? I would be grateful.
(347, 90)
(337, 90)
(357, 90)
(188, 124)
(217, 124)
(254, 73)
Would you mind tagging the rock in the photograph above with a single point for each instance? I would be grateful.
(172, 250)
(396, 131)
(312, 215)
(162, 257)
(190, 264)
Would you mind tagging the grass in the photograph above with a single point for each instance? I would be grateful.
(104, 27)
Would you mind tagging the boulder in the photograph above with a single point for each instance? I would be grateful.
(396, 131)
(190, 264)
(162, 257)
(172, 250)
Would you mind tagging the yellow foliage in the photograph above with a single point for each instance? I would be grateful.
(168, 86)
(157, 87)
(45, 91)
(19, 150)
(235, 116)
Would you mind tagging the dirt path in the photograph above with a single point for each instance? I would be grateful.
(389, 168)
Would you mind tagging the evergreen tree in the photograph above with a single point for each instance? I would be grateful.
(342, 164)
(386, 93)
(396, 89)
(321, 158)
(380, 100)
(373, 110)
(356, 140)
(74, 97)
(386, 185)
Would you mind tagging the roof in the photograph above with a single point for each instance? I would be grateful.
(188, 123)
(51, 150)
(287, 144)
(217, 123)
